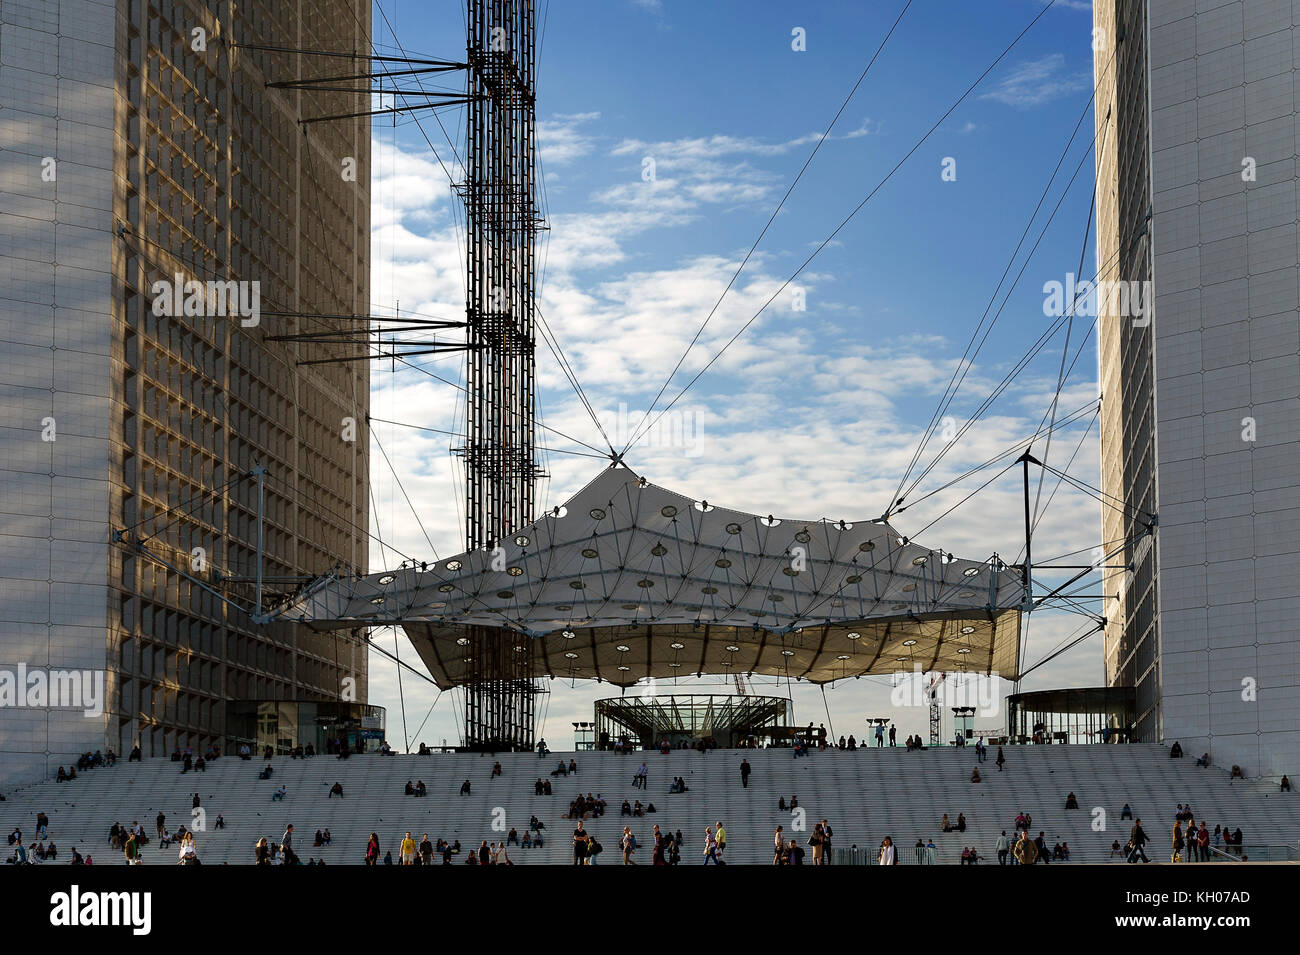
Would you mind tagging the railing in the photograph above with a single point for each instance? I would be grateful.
(925, 855)
(907, 855)
(1248, 853)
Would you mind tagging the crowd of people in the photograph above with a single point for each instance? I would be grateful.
(1190, 840)
(88, 761)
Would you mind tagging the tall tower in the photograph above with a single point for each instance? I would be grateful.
(502, 221)
(1197, 192)
(145, 146)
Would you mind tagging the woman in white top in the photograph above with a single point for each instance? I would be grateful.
(887, 853)
(710, 846)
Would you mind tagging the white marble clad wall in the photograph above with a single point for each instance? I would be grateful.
(57, 90)
(1227, 357)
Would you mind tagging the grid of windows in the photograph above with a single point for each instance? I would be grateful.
(217, 181)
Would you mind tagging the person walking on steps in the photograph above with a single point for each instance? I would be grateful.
(1137, 839)
(744, 773)
(1001, 760)
(710, 846)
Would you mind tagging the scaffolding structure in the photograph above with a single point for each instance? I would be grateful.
(502, 220)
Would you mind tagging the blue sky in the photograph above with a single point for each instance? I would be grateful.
(812, 412)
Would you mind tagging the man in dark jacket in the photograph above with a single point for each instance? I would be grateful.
(1138, 839)
(286, 846)
(744, 773)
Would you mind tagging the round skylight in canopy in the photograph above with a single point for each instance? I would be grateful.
(597, 513)
(454, 565)
(387, 579)
(734, 528)
(668, 511)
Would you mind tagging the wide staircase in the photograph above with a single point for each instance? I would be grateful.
(865, 794)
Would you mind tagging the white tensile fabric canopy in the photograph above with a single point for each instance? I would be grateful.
(628, 580)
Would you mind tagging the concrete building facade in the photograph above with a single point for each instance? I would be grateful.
(1197, 192)
(141, 146)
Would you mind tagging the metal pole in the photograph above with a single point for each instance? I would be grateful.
(1026, 458)
(260, 472)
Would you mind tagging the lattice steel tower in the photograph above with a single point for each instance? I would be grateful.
(502, 222)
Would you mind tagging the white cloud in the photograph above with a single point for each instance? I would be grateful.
(563, 138)
(1035, 82)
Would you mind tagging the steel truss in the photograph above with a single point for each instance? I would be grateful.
(730, 720)
(502, 220)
